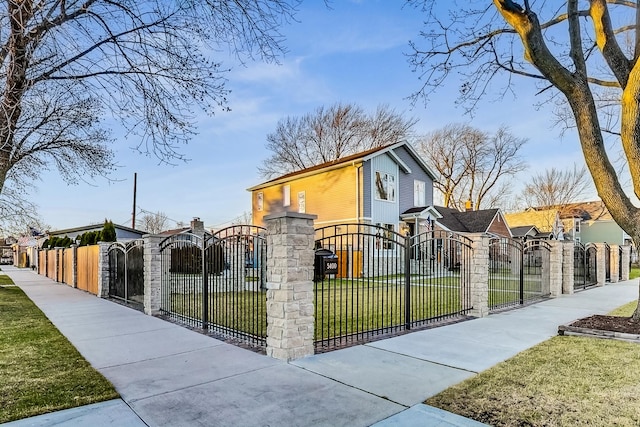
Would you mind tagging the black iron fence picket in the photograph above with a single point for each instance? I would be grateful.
(619, 263)
(387, 283)
(584, 266)
(518, 272)
(217, 283)
(126, 272)
(607, 262)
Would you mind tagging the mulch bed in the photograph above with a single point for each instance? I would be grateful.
(609, 323)
(609, 327)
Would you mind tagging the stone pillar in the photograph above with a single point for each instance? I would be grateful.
(555, 268)
(614, 263)
(601, 275)
(568, 248)
(290, 292)
(103, 269)
(626, 260)
(153, 272)
(478, 276)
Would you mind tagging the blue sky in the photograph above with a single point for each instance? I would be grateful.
(351, 53)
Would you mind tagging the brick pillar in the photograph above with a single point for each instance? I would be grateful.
(614, 263)
(600, 264)
(290, 293)
(103, 269)
(568, 271)
(153, 274)
(478, 276)
(626, 260)
(555, 268)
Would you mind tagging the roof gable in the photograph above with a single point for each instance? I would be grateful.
(355, 158)
(467, 221)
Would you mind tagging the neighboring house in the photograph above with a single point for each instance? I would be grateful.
(378, 186)
(195, 227)
(597, 225)
(546, 221)
(583, 222)
(488, 221)
(122, 232)
(527, 232)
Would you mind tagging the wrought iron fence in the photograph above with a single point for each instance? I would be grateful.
(387, 283)
(619, 262)
(584, 266)
(518, 272)
(607, 262)
(217, 283)
(126, 272)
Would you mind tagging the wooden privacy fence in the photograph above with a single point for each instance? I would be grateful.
(51, 264)
(67, 262)
(63, 265)
(87, 268)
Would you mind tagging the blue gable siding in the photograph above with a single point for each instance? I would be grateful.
(405, 181)
(383, 211)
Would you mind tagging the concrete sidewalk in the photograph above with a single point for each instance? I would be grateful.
(169, 375)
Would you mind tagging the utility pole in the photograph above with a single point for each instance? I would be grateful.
(133, 214)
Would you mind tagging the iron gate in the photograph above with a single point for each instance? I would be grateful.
(217, 283)
(518, 272)
(584, 266)
(387, 283)
(126, 272)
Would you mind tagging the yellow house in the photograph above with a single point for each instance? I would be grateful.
(375, 186)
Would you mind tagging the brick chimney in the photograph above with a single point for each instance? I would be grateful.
(197, 227)
(468, 206)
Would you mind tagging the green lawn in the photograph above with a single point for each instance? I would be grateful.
(343, 306)
(40, 371)
(565, 381)
(634, 273)
(350, 306)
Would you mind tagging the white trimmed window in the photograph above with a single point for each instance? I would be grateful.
(419, 193)
(385, 186)
(302, 202)
(286, 195)
(260, 201)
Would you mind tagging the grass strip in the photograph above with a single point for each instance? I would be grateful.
(40, 371)
(564, 381)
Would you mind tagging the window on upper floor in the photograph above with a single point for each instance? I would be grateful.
(260, 201)
(302, 202)
(286, 195)
(577, 224)
(385, 186)
(419, 193)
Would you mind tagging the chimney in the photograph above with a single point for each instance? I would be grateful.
(197, 227)
(468, 206)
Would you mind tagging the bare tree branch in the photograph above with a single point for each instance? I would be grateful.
(471, 164)
(330, 133)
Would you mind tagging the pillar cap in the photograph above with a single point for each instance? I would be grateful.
(289, 215)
